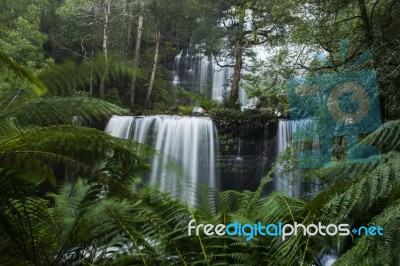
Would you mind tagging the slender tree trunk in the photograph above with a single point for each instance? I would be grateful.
(92, 59)
(366, 23)
(91, 73)
(153, 72)
(128, 33)
(137, 54)
(122, 28)
(376, 60)
(234, 95)
(107, 11)
(126, 21)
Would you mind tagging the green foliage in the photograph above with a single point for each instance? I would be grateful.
(235, 123)
(185, 110)
(100, 216)
(64, 78)
(266, 81)
(37, 140)
(328, 22)
(112, 96)
(103, 219)
(20, 35)
(21, 72)
(194, 99)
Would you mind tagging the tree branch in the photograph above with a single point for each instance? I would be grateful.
(372, 14)
(220, 65)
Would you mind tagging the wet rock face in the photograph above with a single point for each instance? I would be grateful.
(242, 163)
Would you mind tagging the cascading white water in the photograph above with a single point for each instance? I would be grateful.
(199, 72)
(286, 128)
(221, 75)
(203, 74)
(187, 150)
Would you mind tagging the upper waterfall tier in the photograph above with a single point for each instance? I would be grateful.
(201, 73)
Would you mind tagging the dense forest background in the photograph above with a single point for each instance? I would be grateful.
(74, 195)
(123, 51)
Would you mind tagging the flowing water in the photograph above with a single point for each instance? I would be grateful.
(187, 148)
(285, 181)
(201, 73)
(186, 145)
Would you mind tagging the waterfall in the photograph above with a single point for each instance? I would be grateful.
(201, 73)
(284, 181)
(186, 145)
(204, 74)
(220, 83)
(192, 72)
(204, 70)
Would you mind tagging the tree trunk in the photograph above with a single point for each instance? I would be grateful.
(234, 95)
(137, 54)
(92, 54)
(107, 11)
(122, 28)
(366, 23)
(153, 72)
(128, 33)
(91, 72)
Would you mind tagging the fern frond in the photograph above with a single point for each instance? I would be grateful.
(386, 138)
(57, 110)
(36, 85)
(64, 78)
(377, 250)
(353, 198)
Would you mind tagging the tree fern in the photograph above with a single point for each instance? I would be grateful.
(49, 111)
(37, 140)
(100, 217)
(35, 84)
(64, 79)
